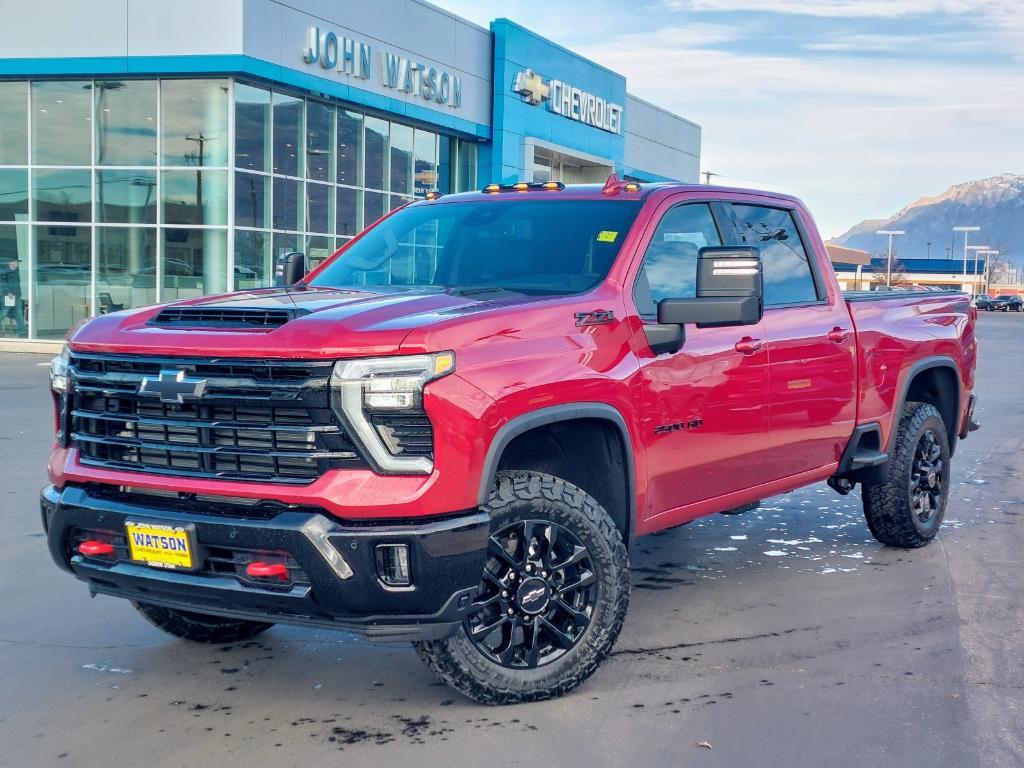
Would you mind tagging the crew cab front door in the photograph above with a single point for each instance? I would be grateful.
(703, 407)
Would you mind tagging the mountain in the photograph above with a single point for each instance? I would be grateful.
(996, 205)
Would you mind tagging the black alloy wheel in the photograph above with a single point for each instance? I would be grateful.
(537, 596)
(926, 478)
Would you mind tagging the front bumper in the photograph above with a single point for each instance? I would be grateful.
(336, 586)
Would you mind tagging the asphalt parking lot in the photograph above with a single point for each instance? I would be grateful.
(783, 637)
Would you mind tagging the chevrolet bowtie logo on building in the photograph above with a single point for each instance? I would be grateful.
(173, 387)
(573, 103)
(531, 87)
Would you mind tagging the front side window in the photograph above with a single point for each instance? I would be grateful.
(544, 247)
(787, 270)
(670, 263)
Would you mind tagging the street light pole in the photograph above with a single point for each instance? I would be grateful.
(988, 253)
(890, 233)
(965, 230)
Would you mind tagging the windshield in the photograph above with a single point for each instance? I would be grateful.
(539, 246)
(1003, 297)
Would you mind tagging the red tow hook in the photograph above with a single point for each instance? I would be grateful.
(94, 548)
(267, 571)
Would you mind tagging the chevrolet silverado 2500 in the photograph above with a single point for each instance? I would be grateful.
(454, 429)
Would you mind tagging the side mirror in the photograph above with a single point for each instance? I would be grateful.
(730, 291)
(289, 269)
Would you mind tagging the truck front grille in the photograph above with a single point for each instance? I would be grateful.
(258, 420)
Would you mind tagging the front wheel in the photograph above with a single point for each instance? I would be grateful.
(551, 601)
(907, 509)
(200, 627)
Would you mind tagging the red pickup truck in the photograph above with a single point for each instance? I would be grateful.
(453, 430)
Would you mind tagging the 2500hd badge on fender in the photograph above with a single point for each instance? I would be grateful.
(453, 430)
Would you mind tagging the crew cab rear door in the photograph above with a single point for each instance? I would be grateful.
(811, 343)
(704, 415)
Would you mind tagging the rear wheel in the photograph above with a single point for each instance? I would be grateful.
(552, 599)
(200, 627)
(907, 509)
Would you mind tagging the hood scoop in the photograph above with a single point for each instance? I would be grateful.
(226, 318)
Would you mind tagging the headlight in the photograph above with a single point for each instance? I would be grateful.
(386, 385)
(59, 371)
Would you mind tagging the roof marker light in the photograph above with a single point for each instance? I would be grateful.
(433, 195)
(492, 188)
(521, 186)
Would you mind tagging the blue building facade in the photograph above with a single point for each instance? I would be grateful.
(146, 158)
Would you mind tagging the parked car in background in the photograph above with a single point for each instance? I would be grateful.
(1006, 302)
(983, 302)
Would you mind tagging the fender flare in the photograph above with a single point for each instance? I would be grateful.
(937, 361)
(550, 415)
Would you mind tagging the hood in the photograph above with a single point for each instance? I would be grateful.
(310, 323)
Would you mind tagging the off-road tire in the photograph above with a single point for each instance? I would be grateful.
(200, 627)
(528, 495)
(888, 505)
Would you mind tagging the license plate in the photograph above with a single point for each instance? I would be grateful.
(160, 546)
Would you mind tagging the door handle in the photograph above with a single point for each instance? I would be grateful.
(838, 335)
(749, 346)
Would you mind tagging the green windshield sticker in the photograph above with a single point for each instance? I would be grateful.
(607, 236)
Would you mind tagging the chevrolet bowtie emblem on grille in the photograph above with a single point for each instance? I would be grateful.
(173, 386)
(531, 87)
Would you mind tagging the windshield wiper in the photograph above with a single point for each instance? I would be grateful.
(475, 290)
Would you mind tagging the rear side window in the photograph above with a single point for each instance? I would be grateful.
(787, 270)
(670, 263)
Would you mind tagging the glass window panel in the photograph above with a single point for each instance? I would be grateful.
(194, 122)
(13, 194)
(444, 164)
(373, 207)
(125, 122)
(13, 280)
(787, 270)
(62, 195)
(287, 204)
(252, 201)
(288, 134)
(14, 123)
(319, 140)
(375, 146)
(125, 268)
(350, 144)
(318, 248)
(401, 158)
(195, 197)
(62, 279)
(252, 260)
(467, 166)
(252, 127)
(398, 201)
(195, 262)
(670, 263)
(349, 215)
(318, 207)
(425, 163)
(61, 122)
(126, 197)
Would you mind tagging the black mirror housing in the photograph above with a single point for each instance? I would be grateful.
(289, 268)
(730, 290)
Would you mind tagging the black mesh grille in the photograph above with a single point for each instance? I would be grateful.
(406, 434)
(256, 420)
(223, 317)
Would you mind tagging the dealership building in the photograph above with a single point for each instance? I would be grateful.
(152, 151)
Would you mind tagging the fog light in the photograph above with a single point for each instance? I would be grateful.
(393, 565)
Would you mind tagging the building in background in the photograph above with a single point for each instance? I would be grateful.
(946, 274)
(154, 151)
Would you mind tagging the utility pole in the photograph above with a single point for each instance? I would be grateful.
(929, 249)
(708, 175)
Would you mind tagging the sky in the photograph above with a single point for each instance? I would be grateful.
(857, 106)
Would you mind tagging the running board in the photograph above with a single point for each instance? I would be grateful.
(866, 458)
